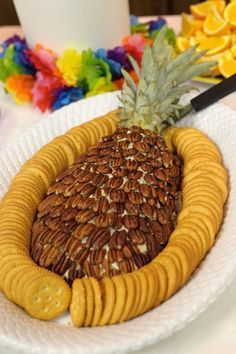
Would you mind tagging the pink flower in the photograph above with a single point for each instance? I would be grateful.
(44, 91)
(44, 60)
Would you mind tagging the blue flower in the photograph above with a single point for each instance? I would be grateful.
(67, 95)
(2, 50)
(154, 25)
(115, 66)
(133, 20)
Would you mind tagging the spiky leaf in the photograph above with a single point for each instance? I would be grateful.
(154, 102)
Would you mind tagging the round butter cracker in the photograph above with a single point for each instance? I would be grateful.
(98, 304)
(47, 297)
(130, 297)
(109, 297)
(121, 293)
(90, 303)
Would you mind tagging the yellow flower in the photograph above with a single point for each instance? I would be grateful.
(101, 86)
(69, 65)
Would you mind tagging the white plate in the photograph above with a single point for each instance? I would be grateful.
(22, 332)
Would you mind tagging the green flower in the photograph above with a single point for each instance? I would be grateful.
(8, 66)
(101, 86)
(170, 35)
(91, 70)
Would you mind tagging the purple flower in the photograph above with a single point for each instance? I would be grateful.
(115, 66)
(154, 25)
(14, 39)
(119, 55)
(21, 56)
(9, 41)
(67, 95)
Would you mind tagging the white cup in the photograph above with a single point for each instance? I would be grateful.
(79, 24)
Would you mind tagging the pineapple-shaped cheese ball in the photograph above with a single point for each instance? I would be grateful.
(114, 209)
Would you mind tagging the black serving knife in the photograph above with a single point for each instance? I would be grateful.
(212, 95)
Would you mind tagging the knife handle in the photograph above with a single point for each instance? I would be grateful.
(215, 93)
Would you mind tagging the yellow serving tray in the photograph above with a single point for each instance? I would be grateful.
(207, 80)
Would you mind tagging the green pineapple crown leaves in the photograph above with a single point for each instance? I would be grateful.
(154, 102)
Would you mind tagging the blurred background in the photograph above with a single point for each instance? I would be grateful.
(137, 7)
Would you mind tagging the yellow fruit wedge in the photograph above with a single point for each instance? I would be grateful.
(182, 43)
(190, 25)
(233, 37)
(215, 45)
(233, 50)
(227, 54)
(230, 13)
(200, 11)
(227, 67)
(220, 5)
(196, 40)
(215, 24)
(200, 33)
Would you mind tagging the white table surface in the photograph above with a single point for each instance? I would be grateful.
(214, 331)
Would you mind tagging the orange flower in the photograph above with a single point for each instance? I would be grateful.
(138, 41)
(134, 76)
(20, 87)
(119, 82)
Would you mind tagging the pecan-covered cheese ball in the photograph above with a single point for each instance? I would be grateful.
(112, 211)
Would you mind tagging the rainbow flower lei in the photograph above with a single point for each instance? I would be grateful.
(49, 81)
